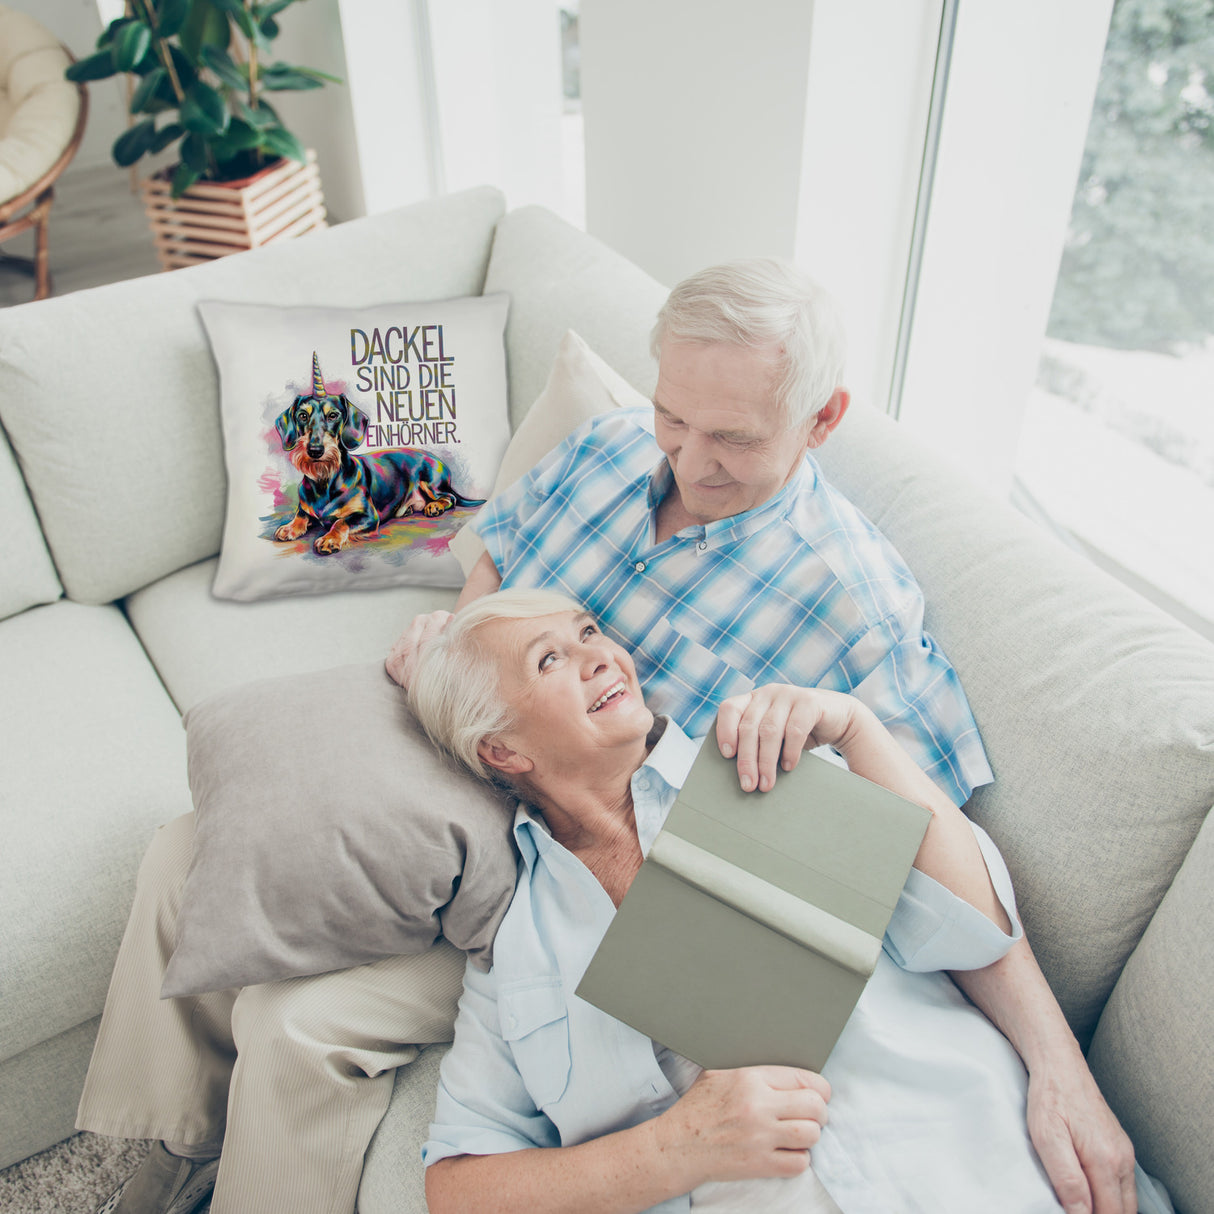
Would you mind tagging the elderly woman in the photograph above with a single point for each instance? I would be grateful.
(547, 1103)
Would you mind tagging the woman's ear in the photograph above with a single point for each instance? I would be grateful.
(494, 753)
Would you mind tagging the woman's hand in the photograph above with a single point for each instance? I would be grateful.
(402, 658)
(770, 727)
(755, 1121)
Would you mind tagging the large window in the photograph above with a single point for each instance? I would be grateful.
(1117, 443)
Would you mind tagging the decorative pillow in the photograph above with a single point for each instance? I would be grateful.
(319, 850)
(358, 441)
(580, 386)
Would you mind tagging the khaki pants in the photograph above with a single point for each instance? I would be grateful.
(293, 1076)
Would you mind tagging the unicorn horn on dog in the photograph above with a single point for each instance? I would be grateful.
(318, 382)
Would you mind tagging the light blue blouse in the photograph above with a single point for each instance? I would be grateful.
(928, 1104)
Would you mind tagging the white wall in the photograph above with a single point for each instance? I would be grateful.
(694, 125)
(1020, 96)
(870, 81)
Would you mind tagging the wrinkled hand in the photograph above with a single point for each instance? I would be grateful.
(750, 1122)
(770, 727)
(403, 655)
(1087, 1155)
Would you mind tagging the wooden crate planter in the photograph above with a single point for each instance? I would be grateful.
(215, 218)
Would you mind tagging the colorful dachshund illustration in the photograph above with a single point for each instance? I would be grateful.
(352, 494)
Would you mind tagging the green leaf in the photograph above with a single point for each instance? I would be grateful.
(166, 135)
(280, 77)
(95, 67)
(187, 73)
(183, 178)
(268, 28)
(281, 142)
(270, 9)
(261, 118)
(195, 154)
(131, 44)
(205, 26)
(144, 97)
(225, 67)
(203, 111)
(106, 38)
(131, 144)
(241, 137)
(171, 16)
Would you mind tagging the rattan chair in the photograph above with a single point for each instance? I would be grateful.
(42, 117)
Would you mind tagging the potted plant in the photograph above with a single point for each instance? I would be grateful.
(201, 71)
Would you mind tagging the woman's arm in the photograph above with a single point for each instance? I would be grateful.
(730, 1125)
(769, 728)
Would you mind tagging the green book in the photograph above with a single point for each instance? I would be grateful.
(757, 918)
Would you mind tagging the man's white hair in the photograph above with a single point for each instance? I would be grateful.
(763, 303)
(455, 692)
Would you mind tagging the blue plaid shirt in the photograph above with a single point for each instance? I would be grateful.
(802, 589)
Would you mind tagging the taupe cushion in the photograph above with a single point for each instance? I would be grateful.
(1153, 1053)
(559, 279)
(1096, 709)
(120, 443)
(330, 833)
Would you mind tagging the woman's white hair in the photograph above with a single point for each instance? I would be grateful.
(454, 691)
(763, 303)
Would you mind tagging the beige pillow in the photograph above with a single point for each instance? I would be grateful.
(329, 833)
(580, 386)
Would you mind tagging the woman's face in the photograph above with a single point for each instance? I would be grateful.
(573, 692)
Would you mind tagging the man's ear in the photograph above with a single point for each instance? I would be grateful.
(829, 416)
(501, 758)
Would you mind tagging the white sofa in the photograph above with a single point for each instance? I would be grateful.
(1097, 711)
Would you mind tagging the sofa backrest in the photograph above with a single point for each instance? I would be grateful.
(111, 398)
(29, 574)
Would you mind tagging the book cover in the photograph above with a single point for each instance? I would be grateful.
(755, 921)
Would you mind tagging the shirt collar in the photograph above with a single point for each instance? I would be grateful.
(737, 526)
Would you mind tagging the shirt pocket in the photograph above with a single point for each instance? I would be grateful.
(682, 671)
(535, 1024)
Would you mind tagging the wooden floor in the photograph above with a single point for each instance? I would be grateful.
(98, 234)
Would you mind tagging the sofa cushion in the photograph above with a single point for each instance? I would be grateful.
(202, 645)
(416, 394)
(580, 386)
(558, 279)
(1097, 711)
(1152, 1054)
(94, 760)
(111, 398)
(29, 574)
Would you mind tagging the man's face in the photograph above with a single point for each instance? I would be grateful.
(716, 420)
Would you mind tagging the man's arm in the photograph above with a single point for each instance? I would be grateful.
(1087, 1155)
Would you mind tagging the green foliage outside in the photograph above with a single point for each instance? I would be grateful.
(1138, 269)
(201, 70)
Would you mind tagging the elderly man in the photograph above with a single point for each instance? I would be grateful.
(704, 538)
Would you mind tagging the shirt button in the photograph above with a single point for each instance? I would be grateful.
(702, 545)
(639, 566)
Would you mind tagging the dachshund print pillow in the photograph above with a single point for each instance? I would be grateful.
(358, 442)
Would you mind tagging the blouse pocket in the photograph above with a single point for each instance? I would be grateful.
(683, 672)
(535, 1023)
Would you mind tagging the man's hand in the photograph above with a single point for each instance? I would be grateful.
(770, 727)
(750, 1122)
(1086, 1154)
(400, 661)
